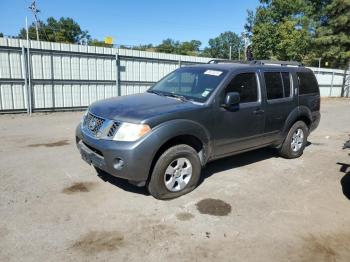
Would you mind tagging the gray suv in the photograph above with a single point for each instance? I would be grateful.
(162, 138)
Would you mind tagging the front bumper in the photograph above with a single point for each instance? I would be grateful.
(136, 156)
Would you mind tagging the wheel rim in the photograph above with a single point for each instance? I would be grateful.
(297, 140)
(178, 174)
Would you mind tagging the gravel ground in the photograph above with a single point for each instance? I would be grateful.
(251, 207)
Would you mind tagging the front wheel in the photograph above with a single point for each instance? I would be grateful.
(175, 173)
(295, 142)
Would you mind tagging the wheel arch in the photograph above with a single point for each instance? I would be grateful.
(300, 113)
(182, 132)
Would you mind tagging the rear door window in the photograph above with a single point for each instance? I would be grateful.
(286, 83)
(274, 86)
(278, 85)
(307, 83)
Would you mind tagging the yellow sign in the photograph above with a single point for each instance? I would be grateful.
(109, 40)
(326, 64)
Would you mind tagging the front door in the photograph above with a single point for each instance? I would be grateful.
(240, 128)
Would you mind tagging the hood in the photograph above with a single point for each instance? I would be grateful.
(139, 107)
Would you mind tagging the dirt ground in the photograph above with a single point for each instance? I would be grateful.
(252, 207)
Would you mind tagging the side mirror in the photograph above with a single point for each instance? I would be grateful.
(231, 99)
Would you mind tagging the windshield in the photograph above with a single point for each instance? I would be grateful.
(189, 83)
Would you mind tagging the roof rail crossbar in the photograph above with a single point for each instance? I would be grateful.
(223, 61)
(272, 62)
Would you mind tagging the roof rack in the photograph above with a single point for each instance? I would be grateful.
(257, 62)
(277, 63)
(224, 61)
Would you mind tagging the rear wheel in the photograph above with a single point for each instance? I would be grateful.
(175, 173)
(295, 142)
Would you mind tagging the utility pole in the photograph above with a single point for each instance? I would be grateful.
(319, 65)
(345, 90)
(245, 39)
(35, 11)
(348, 80)
(230, 52)
(29, 90)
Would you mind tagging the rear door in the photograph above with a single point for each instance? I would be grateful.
(279, 101)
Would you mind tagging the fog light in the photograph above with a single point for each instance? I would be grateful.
(118, 164)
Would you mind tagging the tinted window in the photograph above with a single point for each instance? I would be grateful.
(307, 83)
(245, 84)
(274, 87)
(286, 84)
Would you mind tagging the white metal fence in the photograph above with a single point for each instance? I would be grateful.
(56, 76)
(332, 82)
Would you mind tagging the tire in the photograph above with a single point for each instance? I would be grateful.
(293, 146)
(171, 176)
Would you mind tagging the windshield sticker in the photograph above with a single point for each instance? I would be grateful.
(205, 93)
(213, 72)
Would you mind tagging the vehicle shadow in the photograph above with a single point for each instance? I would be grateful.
(210, 169)
(122, 183)
(237, 161)
(345, 181)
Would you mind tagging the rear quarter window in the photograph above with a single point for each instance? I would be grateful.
(307, 83)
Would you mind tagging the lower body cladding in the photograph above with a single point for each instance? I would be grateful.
(315, 121)
(127, 160)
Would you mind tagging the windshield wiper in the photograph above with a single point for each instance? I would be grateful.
(156, 92)
(182, 98)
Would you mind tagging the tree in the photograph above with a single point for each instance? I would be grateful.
(1, 35)
(64, 30)
(169, 46)
(284, 30)
(96, 42)
(264, 41)
(333, 37)
(147, 47)
(219, 47)
(248, 26)
(189, 48)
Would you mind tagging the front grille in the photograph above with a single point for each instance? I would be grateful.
(93, 123)
(113, 129)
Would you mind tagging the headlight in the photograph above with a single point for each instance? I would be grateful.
(82, 119)
(131, 132)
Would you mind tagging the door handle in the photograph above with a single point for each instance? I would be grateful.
(258, 111)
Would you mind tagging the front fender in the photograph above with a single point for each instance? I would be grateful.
(173, 128)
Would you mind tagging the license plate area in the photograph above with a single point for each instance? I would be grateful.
(85, 156)
(91, 158)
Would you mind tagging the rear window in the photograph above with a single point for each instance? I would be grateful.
(307, 83)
